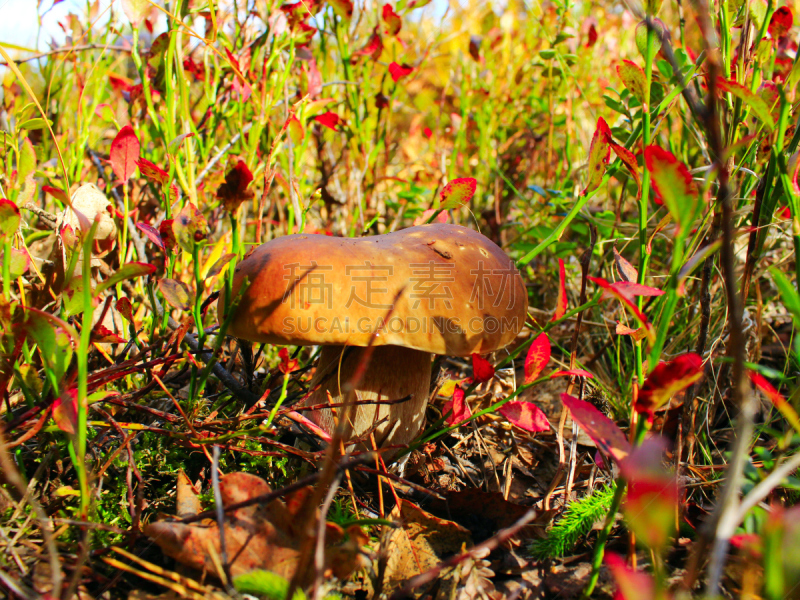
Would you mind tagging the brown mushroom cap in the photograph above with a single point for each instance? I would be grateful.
(437, 288)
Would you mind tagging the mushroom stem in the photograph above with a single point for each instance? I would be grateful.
(393, 373)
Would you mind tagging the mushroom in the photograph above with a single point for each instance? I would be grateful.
(430, 289)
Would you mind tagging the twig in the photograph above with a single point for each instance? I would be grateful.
(220, 514)
(722, 523)
(762, 490)
(68, 49)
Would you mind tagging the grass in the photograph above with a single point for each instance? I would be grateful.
(258, 128)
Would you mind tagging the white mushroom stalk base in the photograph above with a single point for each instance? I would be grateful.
(392, 374)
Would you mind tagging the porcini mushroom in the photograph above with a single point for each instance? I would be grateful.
(430, 289)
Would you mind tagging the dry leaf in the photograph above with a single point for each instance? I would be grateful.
(421, 543)
(256, 537)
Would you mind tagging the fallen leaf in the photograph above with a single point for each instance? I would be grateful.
(420, 543)
(261, 536)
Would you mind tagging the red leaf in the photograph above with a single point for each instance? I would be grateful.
(629, 160)
(652, 496)
(125, 308)
(152, 172)
(626, 270)
(234, 191)
(152, 234)
(616, 293)
(781, 22)
(124, 153)
(399, 71)
(537, 358)
(482, 369)
(166, 233)
(561, 302)
(393, 21)
(631, 290)
(458, 192)
(459, 406)
(786, 409)
(572, 373)
(633, 78)
(591, 36)
(525, 415)
(287, 366)
(103, 335)
(673, 185)
(56, 193)
(65, 411)
(330, 120)
(373, 47)
(632, 585)
(599, 153)
(666, 380)
(603, 431)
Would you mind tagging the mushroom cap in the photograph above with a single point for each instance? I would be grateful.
(438, 288)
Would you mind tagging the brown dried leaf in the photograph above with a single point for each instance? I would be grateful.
(256, 537)
(421, 543)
